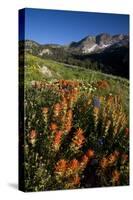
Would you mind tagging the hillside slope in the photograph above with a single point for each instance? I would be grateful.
(38, 69)
(46, 69)
(109, 54)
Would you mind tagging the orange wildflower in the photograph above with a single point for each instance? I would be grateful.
(78, 139)
(102, 84)
(57, 139)
(57, 109)
(85, 159)
(90, 153)
(126, 131)
(32, 136)
(124, 158)
(53, 126)
(111, 158)
(115, 176)
(61, 166)
(83, 162)
(67, 126)
(76, 180)
(64, 103)
(73, 165)
(69, 114)
(104, 163)
(64, 82)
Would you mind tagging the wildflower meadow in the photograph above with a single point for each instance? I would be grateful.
(76, 136)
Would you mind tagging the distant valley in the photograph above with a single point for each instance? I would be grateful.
(105, 53)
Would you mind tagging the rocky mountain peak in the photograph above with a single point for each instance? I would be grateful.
(99, 42)
(103, 38)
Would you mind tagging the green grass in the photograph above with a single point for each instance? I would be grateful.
(67, 71)
(33, 64)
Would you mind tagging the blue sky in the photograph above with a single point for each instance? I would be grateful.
(63, 27)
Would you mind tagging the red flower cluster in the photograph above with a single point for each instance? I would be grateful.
(115, 176)
(78, 139)
(57, 139)
(61, 166)
(53, 127)
(32, 136)
(102, 84)
(109, 160)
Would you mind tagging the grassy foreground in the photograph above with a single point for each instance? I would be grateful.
(76, 127)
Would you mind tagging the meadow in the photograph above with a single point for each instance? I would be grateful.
(76, 127)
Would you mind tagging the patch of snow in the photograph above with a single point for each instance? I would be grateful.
(104, 46)
(91, 49)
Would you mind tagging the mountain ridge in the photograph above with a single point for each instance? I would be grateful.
(104, 52)
(99, 42)
(86, 45)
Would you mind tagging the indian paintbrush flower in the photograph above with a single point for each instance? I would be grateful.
(115, 176)
(57, 140)
(78, 140)
(53, 127)
(90, 153)
(57, 109)
(32, 136)
(60, 167)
